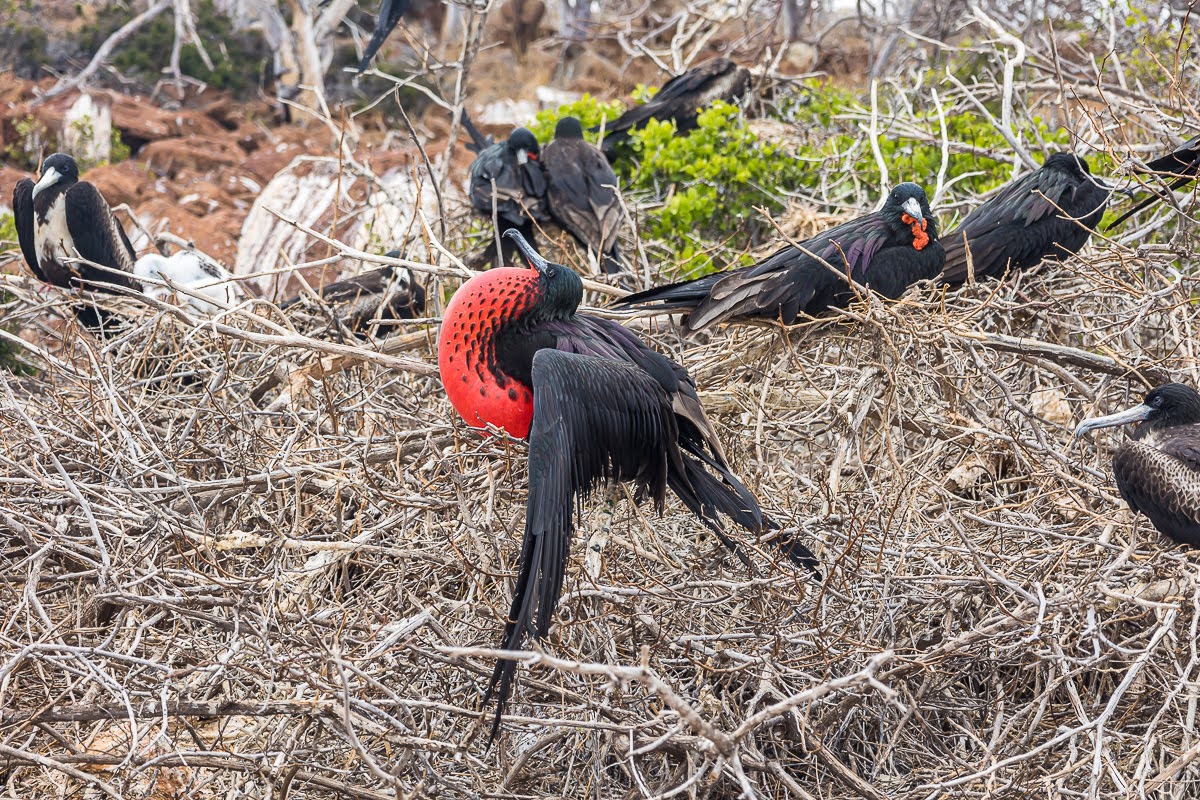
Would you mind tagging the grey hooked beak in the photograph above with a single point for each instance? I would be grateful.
(1135, 414)
(532, 256)
(522, 157)
(913, 209)
(48, 179)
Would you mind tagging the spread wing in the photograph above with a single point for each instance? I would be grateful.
(582, 193)
(593, 419)
(1047, 213)
(390, 12)
(683, 95)
(1163, 483)
(23, 217)
(98, 237)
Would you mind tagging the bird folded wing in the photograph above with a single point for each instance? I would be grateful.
(1162, 482)
(23, 218)
(97, 235)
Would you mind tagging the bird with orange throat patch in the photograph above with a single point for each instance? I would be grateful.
(597, 404)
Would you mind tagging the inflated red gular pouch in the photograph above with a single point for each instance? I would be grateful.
(920, 237)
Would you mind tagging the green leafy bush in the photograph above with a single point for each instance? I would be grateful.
(587, 109)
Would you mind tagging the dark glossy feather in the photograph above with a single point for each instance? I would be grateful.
(681, 99)
(390, 12)
(1046, 214)
(582, 196)
(479, 142)
(877, 250)
(98, 237)
(1180, 165)
(23, 219)
(1162, 481)
(517, 190)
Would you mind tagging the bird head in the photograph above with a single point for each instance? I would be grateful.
(908, 207)
(58, 168)
(568, 128)
(1164, 407)
(561, 288)
(523, 144)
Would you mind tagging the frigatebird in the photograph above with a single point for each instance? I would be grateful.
(596, 404)
(887, 250)
(1180, 165)
(1158, 467)
(1046, 214)
(379, 296)
(582, 192)
(390, 12)
(508, 187)
(680, 99)
(190, 270)
(60, 218)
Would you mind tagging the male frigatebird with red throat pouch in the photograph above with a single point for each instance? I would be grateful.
(597, 404)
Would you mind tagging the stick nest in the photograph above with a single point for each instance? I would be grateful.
(232, 562)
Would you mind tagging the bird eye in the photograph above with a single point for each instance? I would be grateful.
(551, 272)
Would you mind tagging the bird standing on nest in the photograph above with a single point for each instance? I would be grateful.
(61, 218)
(887, 251)
(582, 193)
(596, 404)
(1158, 468)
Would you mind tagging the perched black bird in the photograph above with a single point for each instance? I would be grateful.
(378, 296)
(61, 217)
(1158, 467)
(597, 405)
(507, 180)
(887, 250)
(1047, 213)
(582, 194)
(682, 98)
(1180, 166)
(390, 12)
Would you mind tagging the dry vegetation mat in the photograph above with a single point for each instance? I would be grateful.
(235, 565)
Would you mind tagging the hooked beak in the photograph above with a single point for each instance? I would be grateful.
(48, 179)
(913, 209)
(1135, 414)
(522, 157)
(532, 256)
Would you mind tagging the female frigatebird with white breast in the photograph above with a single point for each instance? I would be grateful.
(887, 251)
(1158, 467)
(597, 404)
(60, 218)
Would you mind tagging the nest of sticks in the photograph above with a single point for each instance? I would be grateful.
(243, 560)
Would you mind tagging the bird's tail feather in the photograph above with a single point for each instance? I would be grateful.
(544, 556)
(684, 295)
(478, 140)
(1182, 164)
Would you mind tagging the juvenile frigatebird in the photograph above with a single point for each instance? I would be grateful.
(1158, 467)
(509, 187)
(887, 250)
(1180, 166)
(680, 99)
(390, 12)
(379, 296)
(61, 217)
(597, 404)
(189, 270)
(1045, 214)
(582, 194)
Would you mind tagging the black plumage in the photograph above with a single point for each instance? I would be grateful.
(390, 12)
(680, 99)
(887, 250)
(60, 218)
(1180, 167)
(582, 192)
(1046, 214)
(1158, 468)
(508, 186)
(605, 406)
(375, 297)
